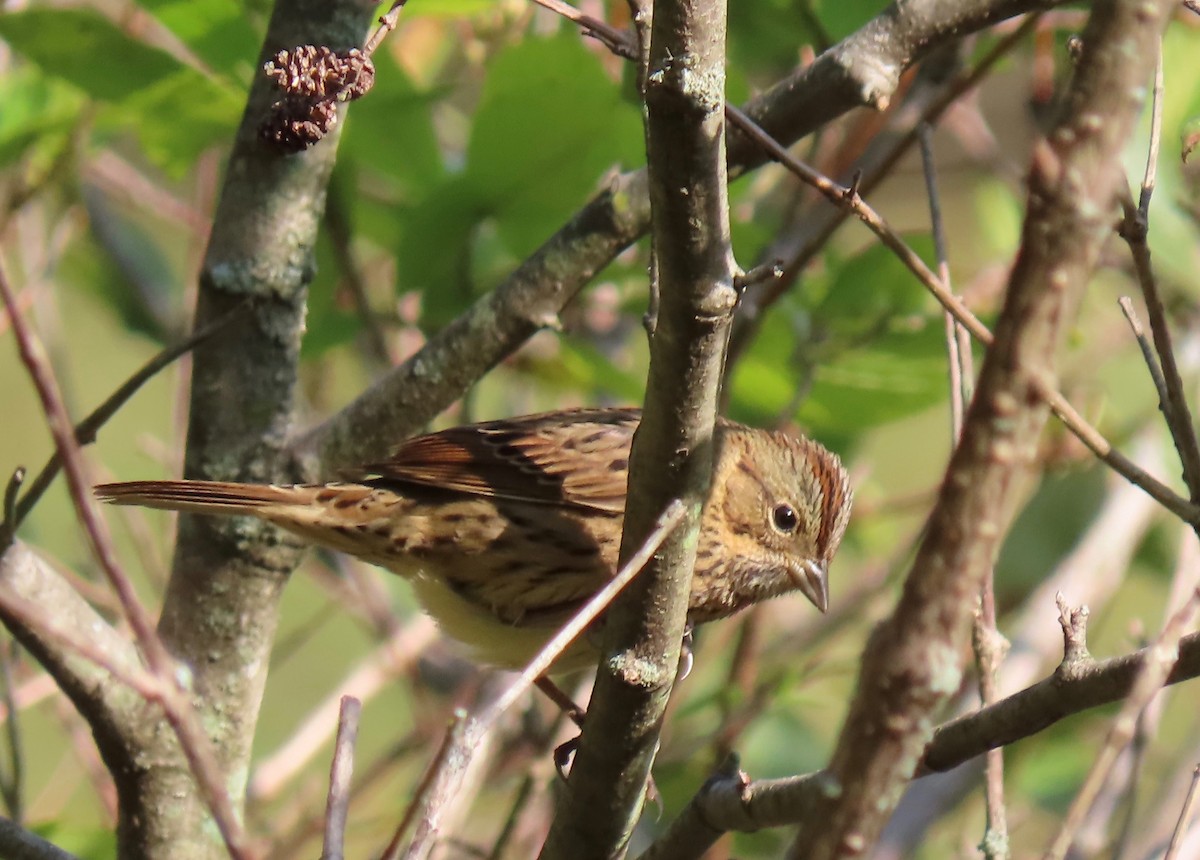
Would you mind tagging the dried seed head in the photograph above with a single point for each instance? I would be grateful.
(314, 79)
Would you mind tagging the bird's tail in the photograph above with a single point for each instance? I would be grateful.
(204, 497)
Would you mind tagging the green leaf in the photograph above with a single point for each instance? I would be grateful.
(392, 131)
(447, 8)
(434, 254)
(997, 207)
(85, 48)
(178, 118)
(549, 123)
(870, 289)
(900, 373)
(81, 840)
(218, 32)
(39, 113)
(580, 366)
(329, 325)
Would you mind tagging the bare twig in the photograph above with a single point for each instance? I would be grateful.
(12, 783)
(194, 743)
(8, 515)
(340, 772)
(537, 667)
(1143, 342)
(1187, 511)
(879, 160)
(86, 430)
(761, 273)
(1156, 114)
(1152, 674)
(731, 803)
(989, 645)
(622, 44)
(302, 824)
(1184, 815)
(456, 743)
(387, 23)
(372, 674)
(1134, 229)
(70, 639)
(1174, 405)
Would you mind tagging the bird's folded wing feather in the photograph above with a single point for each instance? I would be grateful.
(578, 459)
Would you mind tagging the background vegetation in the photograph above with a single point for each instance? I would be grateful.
(490, 127)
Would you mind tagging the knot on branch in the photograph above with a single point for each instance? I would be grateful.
(1074, 628)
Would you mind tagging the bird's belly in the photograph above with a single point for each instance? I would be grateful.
(490, 639)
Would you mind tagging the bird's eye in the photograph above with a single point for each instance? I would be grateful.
(785, 518)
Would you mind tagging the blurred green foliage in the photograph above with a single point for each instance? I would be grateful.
(489, 126)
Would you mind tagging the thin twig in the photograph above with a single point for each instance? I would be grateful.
(764, 272)
(1156, 113)
(8, 516)
(1151, 675)
(938, 227)
(340, 772)
(1189, 512)
(454, 738)
(538, 666)
(13, 782)
(1135, 230)
(621, 43)
(300, 824)
(86, 430)
(71, 639)
(1184, 815)
(194, 743)
(879, 165)
(374, 673)
(1174, 404)
(387, 23)
(1143, 342)
(989, 646)
(523, 794)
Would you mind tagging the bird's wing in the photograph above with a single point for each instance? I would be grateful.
(578, 458)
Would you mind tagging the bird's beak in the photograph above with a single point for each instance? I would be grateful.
(813, 581)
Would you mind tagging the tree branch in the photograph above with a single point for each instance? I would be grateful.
(672, 452)
(222, 601)
(913, 663)
(729, 801)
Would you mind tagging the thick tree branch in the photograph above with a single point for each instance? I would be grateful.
(1074, 687)
(222, 601)
(729, 801)
(672, 453)
(864, 69)
(912, 663)
(110, 709)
